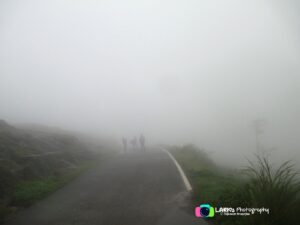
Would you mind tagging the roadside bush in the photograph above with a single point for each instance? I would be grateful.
(259, 185)
(276, 189)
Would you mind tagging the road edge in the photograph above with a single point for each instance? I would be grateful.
(184, 178)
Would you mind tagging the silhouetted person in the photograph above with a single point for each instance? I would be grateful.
(142, 143)
(134, 143)
(124, 140)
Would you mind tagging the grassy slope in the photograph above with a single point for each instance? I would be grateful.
(34, 163)
(28, 192)
(276, 189)
(207, 179)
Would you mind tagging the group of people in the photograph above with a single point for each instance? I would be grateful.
(134, 144)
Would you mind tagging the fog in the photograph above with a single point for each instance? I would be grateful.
(177, 71)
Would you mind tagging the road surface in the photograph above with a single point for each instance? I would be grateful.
(133, 189)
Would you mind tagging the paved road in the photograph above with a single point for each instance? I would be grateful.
(133, 189)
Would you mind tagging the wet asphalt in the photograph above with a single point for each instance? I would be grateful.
(130, 189)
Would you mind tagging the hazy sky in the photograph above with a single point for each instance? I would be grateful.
(178, 71)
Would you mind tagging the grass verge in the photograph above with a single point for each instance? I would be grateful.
(259, 185)
(207, 179)
(28, 192)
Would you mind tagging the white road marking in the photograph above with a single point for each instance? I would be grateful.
(182, 174)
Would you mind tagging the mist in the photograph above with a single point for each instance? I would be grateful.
(179, 72)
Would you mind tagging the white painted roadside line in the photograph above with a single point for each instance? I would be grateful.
(182, 174)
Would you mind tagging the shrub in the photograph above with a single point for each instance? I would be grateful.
(276, 189)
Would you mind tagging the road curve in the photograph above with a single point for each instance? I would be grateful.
(133, 189)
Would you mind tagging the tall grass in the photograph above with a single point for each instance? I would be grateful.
(276, 189)
(264, 185)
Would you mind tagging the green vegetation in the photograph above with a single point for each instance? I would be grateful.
(25, 193)
(207, 179)
(259, 185)
(276, 189)
(36, 161)
(28, 192)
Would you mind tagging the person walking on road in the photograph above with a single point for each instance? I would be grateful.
(142, 143)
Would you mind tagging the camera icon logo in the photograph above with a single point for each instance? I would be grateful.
(204, 210)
